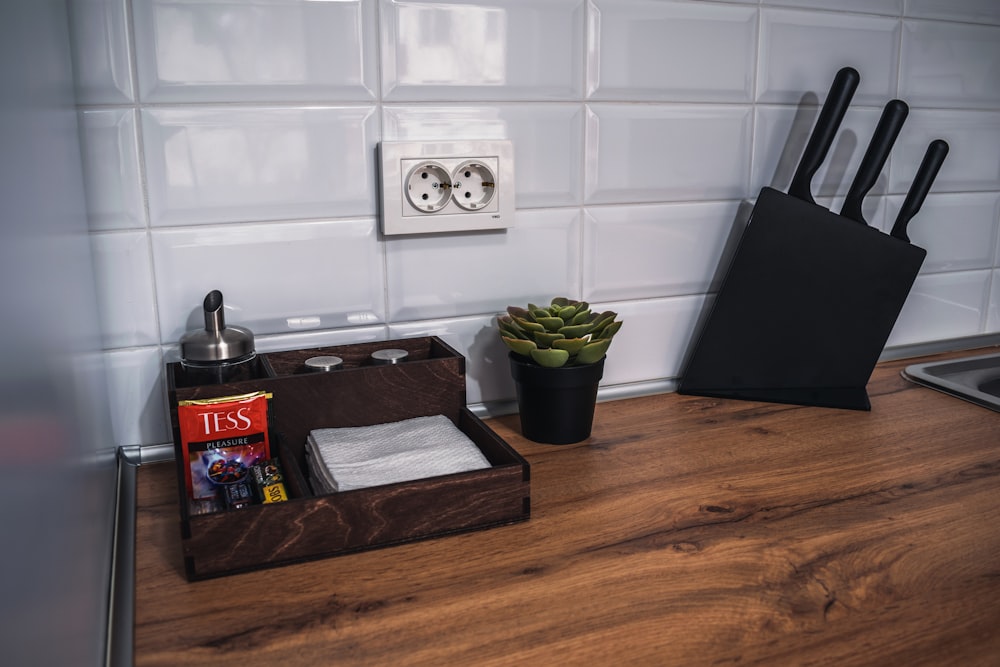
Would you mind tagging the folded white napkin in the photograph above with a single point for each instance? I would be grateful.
(342, 459)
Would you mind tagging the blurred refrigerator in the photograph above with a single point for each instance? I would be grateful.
(58, 464)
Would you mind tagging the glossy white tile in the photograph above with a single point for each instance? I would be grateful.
(973, 162)
(459, 50)
(978, 11)
(659, 152)
(138, 399)
(235, 164)
(653, 341)
(958, 231)
(670, 51)
(309, 339)
(547, 138)
(125, 295)
(108, 145)
(99, 37)
(942, 306)
(434, 276)
(275, 278)
(780, 137)
(643, 251)
(885, 7)
(265, 51)
(801, 51)
(952, 65)
(993, 317)
(487, 373)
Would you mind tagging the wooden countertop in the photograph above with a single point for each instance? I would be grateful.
(687, 530)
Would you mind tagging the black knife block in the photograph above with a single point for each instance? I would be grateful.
(804, 310)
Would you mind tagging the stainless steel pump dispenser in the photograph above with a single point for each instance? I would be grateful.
(218, 352)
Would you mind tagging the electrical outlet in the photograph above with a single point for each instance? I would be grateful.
(446, 186)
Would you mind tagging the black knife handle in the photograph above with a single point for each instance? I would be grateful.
(926, 173)
(830, 116)
(889, 125)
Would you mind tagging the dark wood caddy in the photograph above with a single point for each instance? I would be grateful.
(431, 381)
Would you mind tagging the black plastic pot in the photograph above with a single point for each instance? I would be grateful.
(556, 404)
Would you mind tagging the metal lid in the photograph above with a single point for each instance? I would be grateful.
(324, 363)
(389, 356)
(216, 343)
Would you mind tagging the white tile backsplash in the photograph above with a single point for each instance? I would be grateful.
(656, 250)
(125, 294)
(637, 43)
(801, 51)
(110, 152)
(99, 36)
(950, 65)
(973, 162)
(223, 51)
(138, 398)
(275, 277)
(218, 164)
(959, 231)
(231, 145)
(449, 275)
(459, 50)
(977, 11)
(663, 152)
(886, 7)
(942, 306)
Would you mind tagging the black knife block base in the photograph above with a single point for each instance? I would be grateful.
(804, 310)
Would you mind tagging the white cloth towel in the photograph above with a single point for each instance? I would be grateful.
(342, 459)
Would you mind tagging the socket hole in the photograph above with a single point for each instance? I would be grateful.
(468, 195)
(468, 174)
(423, 175)
(424, 196)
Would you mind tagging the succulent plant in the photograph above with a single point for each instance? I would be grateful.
(566, 333)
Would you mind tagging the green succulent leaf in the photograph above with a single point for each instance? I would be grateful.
(545, 338)
(575, 331)
(592, 352)
(603, 320)
(511, 330)
(567, 313)
(551, 358)
(611, 329)
(560, 301)
(523, 347)
(538, 313)
(518, 313)
(581, 317)
(551, 323)
(528, 325)
(571, 345)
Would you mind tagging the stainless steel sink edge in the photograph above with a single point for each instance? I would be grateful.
(959, 377)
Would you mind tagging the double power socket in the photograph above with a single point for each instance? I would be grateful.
(446, 186)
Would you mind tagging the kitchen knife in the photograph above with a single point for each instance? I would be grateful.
(926, 173)
(889, 125)
(830, 116)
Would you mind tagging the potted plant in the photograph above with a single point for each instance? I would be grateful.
(557, 361)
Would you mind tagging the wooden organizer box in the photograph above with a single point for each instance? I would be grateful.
(430, 381)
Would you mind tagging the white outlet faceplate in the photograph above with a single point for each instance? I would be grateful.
(446, 186)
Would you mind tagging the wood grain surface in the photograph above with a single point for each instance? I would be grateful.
(686, 531)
